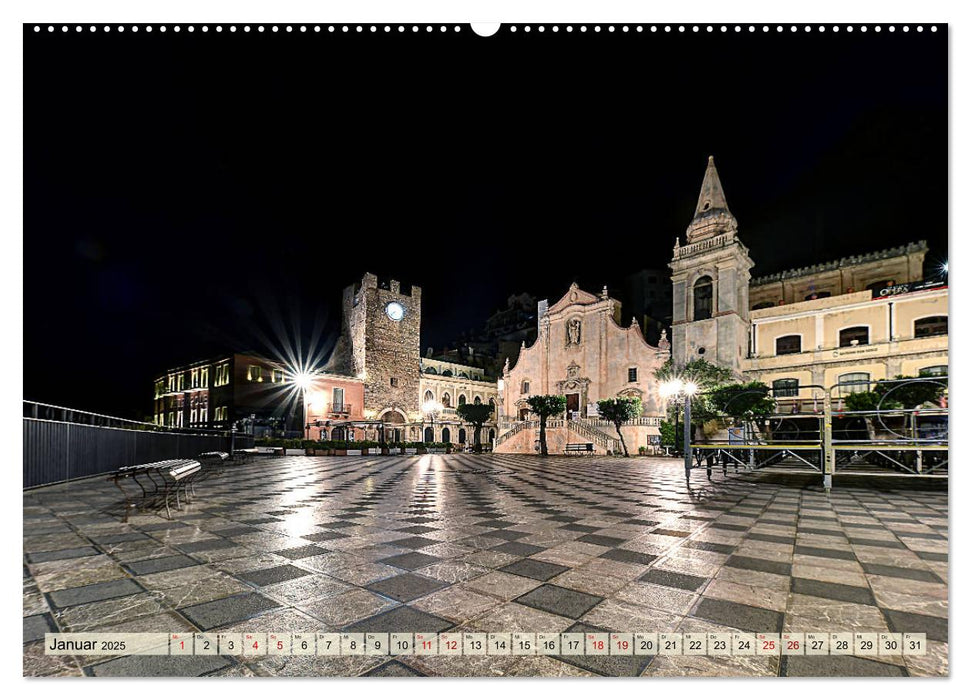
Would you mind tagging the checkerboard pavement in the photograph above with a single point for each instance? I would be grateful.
(490, 543)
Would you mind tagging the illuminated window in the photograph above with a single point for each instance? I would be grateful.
(854, 382)
(338, 400)
(222, 374)
(194, 379)
(254, 373)
(632, 374)
(857, 335)
(788, 344)
(171, 418)
(703, 298)
(204, 414)
(429, 396)
(461, 399)
(159, 388)
(193, 416)
(934, 371)
(276, 376)
(785, 387)
(446, 400)
(222, 413)
(931, 325)
(181, 381)
(204, 377)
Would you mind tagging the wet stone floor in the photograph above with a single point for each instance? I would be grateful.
(501, 543)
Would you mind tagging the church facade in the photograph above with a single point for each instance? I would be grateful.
(583, 352)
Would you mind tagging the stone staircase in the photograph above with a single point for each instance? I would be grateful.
(522, 436)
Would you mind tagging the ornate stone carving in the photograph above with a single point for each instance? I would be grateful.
(573, 330)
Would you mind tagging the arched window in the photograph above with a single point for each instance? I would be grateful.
(785, 387)
(446, 435)
(462, 436)
(463, 375)
(431, 370)
(857, 335)
(477, 401)
(854, 382)
(703, 298)
(446, 400)
(788, 344)
(492, 435)
(492, 401)
(930, 325)
(934, 371)
(429, 435)
(525, 387)
(446, 373)
(429, 396)
(461, 399)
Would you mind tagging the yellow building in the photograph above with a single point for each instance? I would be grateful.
(840, 324)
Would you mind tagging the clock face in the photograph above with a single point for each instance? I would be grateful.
(395, 311)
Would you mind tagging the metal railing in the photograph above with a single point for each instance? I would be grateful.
(886, 439)
(63, 444)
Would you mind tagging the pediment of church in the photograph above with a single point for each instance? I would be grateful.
(574, 296)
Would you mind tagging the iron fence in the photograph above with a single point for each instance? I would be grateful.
(62, 444)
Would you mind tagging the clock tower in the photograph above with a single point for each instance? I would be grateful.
(380, 343)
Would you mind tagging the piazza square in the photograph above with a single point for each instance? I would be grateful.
(490, 543)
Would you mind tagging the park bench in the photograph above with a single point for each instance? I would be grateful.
(579, 447)
(244, 454)
(212, 463)
(157, 481)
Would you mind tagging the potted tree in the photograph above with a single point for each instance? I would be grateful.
(476, 415)
(544, 406)
(618, 411)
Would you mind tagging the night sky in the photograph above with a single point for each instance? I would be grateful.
(188, 194)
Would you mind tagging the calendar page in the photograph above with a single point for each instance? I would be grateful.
(607, 349)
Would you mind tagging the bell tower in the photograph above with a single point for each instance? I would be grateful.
(710, 278)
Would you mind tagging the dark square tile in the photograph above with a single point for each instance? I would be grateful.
(901, 572)
(643, 523)
(532, 568)
(580, 528)
(276, 574)
(337, 525)
(495, 523)
(753, 564)
(406, 587)
(559, 601)
(413, 542)
(601, 540)
(95, 592)
(518, 548)
(236, 531)
(36, 626)
(323, 536)
(225, 611)
(628, 557)
(260, 521)
(401, 618)
(934, 627)
(673, 579)
(310, 550)
(609, 666)
(154, 566)
(505, 534)
(833, 591)
(61, 554)
(825, 553)
(410, 560)
(711, 546)
(417, 529)
(744, 617)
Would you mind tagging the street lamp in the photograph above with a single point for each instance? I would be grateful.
(303, 381)
(431, 408)
(679, 390)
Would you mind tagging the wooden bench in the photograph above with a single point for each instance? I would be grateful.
(579, 447)
(153, 483)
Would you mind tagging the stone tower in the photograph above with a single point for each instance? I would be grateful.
(380, 343)
(710, 276)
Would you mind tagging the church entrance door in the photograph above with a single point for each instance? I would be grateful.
(572, 404)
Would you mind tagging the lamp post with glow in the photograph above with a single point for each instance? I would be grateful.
(679, 391)
(303, 381)
(431, 409)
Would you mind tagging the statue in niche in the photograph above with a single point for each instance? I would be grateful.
(573, 331)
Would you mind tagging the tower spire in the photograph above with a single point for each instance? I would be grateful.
(712, 216)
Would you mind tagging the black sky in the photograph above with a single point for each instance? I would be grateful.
(183, 190)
